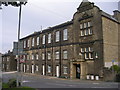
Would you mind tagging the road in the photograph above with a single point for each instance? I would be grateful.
(39, 81)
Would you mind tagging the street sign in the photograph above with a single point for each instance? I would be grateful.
(113, 61)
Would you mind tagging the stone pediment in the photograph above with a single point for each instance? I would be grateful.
(85, 5)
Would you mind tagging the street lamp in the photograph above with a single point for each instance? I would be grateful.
(15, 3)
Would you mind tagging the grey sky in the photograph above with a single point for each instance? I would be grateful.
(39, 13)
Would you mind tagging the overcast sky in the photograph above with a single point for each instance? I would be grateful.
(37, 13)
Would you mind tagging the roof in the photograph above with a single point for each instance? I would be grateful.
(49, 29)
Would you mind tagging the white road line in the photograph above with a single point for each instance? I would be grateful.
(8, 72)
(96, 83)
(25, 81)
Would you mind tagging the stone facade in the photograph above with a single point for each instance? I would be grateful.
(75, 49)
(9, 63)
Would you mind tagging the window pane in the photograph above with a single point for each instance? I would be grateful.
(43, 41)
(33, 42)
(57, 36)
(49, 55)
(90, 31)
(49, 38)
(86, 55)
(65, 55)
(86, 32)
(65, 70)
(38, 40)
(57, 55)
(85, 25)
(82, 32)
(36, 56)
(36, 67)
(81, 26)
(89, 24)
(43, 56)
(91, 55)
(49, 69)
(65, 34)
(28, 43)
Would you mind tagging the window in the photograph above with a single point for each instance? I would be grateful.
(57, 55)
(57, 36)
(27, 57)
(91, 55)
(49, 38)
(86, 55)
(89, 24)
(37, 56)
(28, 44)
(65, 70)
(49, 69)
(65, 55)
(86, 32)
(65, 34)
(82, 33)
(24, 44)
(27, 67)
(96, 55)
(43, 39)
(33, 41)
(32, 57)
(37, 68)
(85, 25)
(86, 49)
(81, 26)
(7, 67)
(43, 56)
(90, 31)
(90, 49)
(38, 40)
(3, 65)
(24, 57)
(82, 49)
(7, 58)
(49, 55)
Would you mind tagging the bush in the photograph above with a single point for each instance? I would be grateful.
(115, 68)
(12, 83)
(118, 77)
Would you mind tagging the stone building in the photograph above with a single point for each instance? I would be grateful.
(77, 48)
(9, 63)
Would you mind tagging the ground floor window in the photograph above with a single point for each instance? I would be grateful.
(49, 69)
(37, 67)
(65, 70)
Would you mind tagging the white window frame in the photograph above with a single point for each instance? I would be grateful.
(32, 56)
(43, 39)
(86, 32)
(49, 38)
(37, 56)
(88, 23)
(65, 70)
(33, 40)
(81, 25)
(82, 50)
(38, 40)
(65, 54)
(65, 34)
(49, 68)
(96, 55)
(37, 68)
(85, 25)
(49, 55)
(28, 44)
(82, 33)
(86, 56)
(90, 31)
(25, 44)
(90, 56)
(43, 56)
(57, 55)
(57, 34)
(87, 49)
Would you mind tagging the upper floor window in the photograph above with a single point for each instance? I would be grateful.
(57, 36)
(43, 39)
(88, 24)
(28, 57)
(32, 57)
(37, 56)
(24, 44)
(81, 26)
(28, 43)
(57, 55)
(82, 33)
(33, 40)
(43, 56)
(7, 58)
(49, 55)
(49, 38)
(65, 54)
(85, 25)
(38, 40)
(27, 67)
(65, 34)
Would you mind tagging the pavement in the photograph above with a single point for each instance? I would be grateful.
(40, 81)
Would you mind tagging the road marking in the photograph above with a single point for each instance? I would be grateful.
(8, 72)
(25, 81)
(96, 83)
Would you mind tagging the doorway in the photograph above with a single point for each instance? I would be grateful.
(57, 71)
(78, 70)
